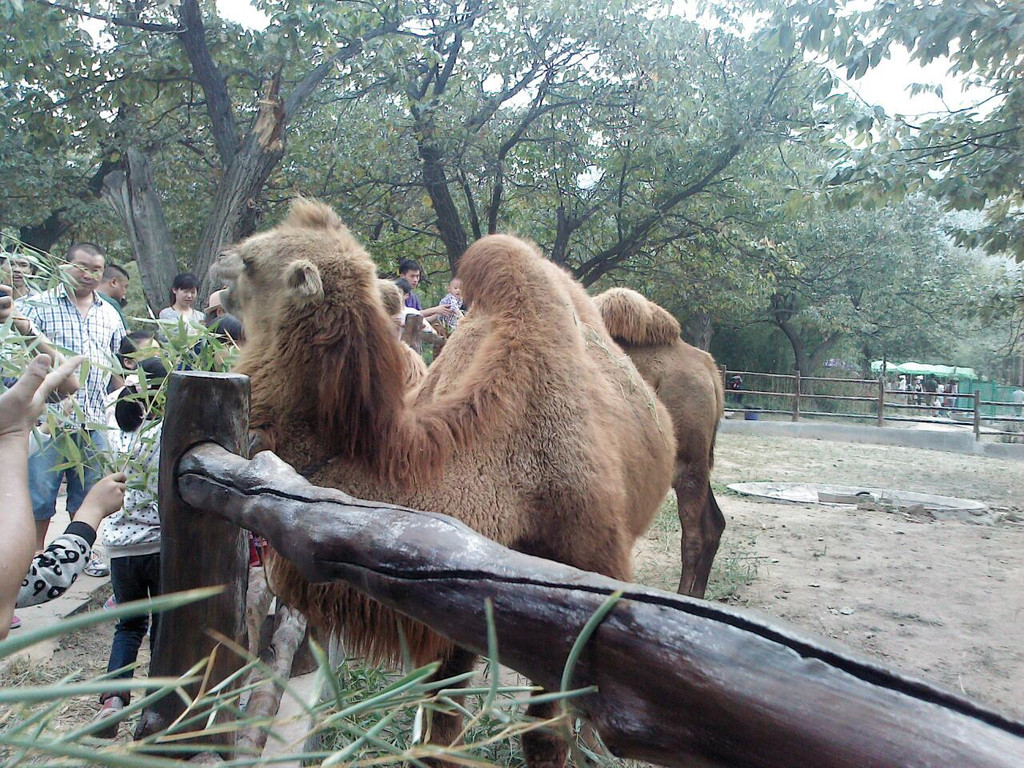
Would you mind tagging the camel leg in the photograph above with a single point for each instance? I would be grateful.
(702, 522)
(445, 728)
(544, 747)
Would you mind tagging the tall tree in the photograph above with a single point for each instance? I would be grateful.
(969, 158)
(160, 73)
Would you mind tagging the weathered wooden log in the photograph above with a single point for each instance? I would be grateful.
(680, 682)
(198, 550)
(266, 698)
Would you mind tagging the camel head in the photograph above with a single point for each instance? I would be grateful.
(277, 271)
(309, 298)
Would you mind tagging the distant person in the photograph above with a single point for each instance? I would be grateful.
(1018, 401)
(930, 386)
(452, 299)
(135, 346)
(734, 385)
(114, 288)
(406, 288)
(952, 390)
(215, 305)
(16, 273)
(75, 318)
(184, 291)
(132, 538)
(412, 272)
(919, 390)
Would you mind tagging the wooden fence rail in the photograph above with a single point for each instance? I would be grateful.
(678, 681)
(879, 405)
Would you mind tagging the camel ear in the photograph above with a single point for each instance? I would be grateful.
(303, 277)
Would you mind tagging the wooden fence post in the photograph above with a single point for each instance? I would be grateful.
(796, 396)
(199, 549)
(881, 402)
(977, 414)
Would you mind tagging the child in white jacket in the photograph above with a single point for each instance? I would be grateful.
(132, 537)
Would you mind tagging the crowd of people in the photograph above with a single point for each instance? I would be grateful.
(87, 404)
(928, 392)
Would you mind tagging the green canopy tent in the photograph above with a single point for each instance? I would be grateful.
(923, 369)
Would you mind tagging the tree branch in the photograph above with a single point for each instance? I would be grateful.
(118, 21)
(192, 37)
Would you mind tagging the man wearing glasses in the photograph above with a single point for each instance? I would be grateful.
(75, 319)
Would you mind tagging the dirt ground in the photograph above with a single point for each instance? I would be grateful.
(943, 601)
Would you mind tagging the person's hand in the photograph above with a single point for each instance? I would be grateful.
(103, 500)
(448, 311)
(6, 303)
(21, 405)
(7, 310)
(108, 494)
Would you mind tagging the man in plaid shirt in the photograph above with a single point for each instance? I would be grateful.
(77, 320)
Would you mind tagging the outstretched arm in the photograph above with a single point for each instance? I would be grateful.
(20, 406)
(56, 569)
(441, 310)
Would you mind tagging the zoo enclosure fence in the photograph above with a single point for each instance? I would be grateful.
(874, 400)
(666, 678)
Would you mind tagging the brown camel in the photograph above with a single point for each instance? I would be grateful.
(531, 426)
(687, 381)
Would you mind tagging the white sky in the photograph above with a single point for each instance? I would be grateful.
(888, 84)
(242, 12)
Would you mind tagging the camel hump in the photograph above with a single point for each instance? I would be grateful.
(503, 272)
(636, 320)
(308, 213)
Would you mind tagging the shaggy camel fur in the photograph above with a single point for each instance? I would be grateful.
(689, 384)
(532, 427)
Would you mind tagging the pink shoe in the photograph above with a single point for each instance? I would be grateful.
(15, 622)
(109, 710)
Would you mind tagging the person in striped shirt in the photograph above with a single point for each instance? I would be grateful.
(77, 320)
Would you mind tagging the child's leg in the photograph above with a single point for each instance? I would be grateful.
(151, 567)
(129, 580)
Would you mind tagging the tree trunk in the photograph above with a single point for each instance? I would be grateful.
(133, 196)
(563, 230)
(449, 223)
(800, 362)
(236, 207)
(699, 330)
